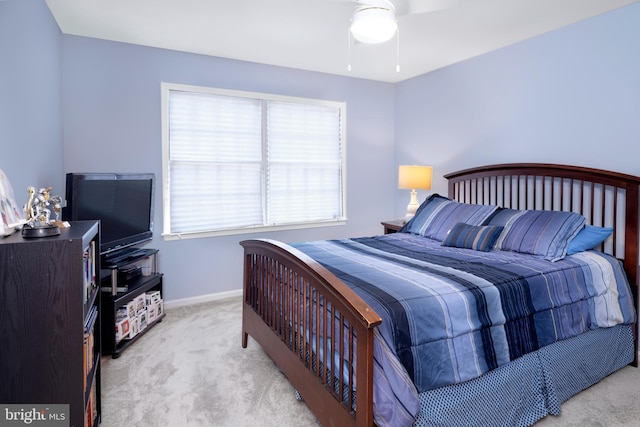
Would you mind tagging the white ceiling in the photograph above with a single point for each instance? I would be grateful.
(313, 34)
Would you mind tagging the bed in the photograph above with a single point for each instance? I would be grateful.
(527, 320)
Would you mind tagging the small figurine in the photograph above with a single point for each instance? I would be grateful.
(57, 208)
(38, 214)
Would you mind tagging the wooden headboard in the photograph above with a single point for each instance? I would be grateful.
(604, 198)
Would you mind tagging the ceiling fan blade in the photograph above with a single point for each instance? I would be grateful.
(412, 7)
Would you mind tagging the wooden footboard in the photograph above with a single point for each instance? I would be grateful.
(299, 313)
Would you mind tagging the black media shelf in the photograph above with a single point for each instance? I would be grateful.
(117, 293)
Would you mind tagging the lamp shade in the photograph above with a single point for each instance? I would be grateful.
(373, 25)
(414, 177)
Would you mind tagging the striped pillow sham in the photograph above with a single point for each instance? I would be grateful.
(538, 232)
(437, 215)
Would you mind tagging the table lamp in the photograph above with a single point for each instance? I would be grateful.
(412, 178)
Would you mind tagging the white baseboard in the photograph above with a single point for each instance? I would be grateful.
(203, 298)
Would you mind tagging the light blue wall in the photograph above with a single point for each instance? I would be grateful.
(30, 94)
(571, 96)
(112, 123)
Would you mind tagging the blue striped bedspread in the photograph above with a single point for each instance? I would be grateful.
(450, 315)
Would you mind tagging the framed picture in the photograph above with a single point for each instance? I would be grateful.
(12, 217)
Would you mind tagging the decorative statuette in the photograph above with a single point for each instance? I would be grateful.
(38, 213)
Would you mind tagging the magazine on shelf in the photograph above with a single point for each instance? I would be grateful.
(89, 270)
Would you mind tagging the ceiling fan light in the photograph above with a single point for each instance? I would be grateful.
(373, 25)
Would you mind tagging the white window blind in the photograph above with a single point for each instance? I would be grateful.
(237, 161)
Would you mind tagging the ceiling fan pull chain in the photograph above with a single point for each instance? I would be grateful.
(398, 50)
(349, 49)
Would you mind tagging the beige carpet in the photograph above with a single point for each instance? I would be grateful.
(191, 370)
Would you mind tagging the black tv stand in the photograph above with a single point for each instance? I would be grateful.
(119, 292)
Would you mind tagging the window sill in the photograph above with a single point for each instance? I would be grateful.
(248, 230)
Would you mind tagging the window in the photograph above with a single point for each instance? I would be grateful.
(237, 162)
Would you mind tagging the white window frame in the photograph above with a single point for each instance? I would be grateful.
(166, 229)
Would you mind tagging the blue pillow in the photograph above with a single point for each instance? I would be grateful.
(439, 215)
(424, 213)
(501, 216)
(589, 237)
(454, 212)
(538, 232)
(476, 237)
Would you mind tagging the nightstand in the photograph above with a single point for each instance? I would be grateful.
(393, 225)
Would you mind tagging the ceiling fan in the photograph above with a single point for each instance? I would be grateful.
(375, 21)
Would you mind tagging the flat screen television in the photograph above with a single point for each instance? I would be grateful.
(122, 202)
